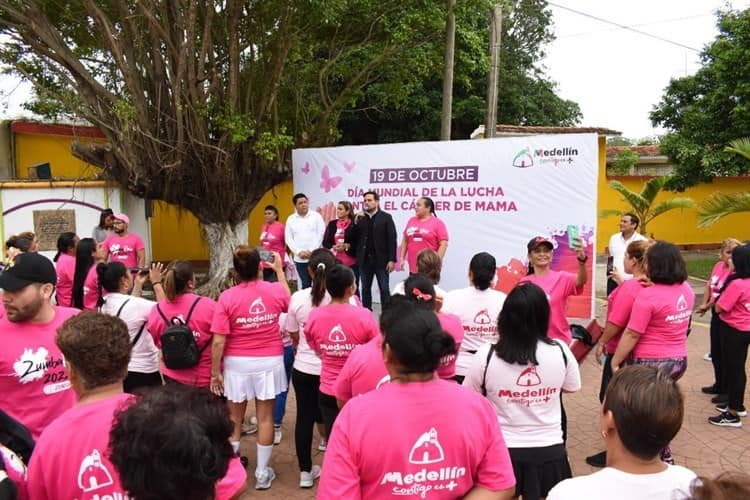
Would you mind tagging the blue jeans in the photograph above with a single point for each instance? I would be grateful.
(366, 273)
(279, 407)
(304, 279)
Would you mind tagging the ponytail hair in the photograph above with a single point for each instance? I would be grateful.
(429, 204)
(179, 273)
(65, 242)
(246, 262)
(321, 261)
(109, 276)
(741, 262)
(84, 260)
(419, 289)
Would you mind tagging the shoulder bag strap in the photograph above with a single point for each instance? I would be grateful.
(484, 376)
(562, 351)
(158, 309)
(122, 307)
(192, 308)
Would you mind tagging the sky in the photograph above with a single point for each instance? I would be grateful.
(614, 74)
(617, 75)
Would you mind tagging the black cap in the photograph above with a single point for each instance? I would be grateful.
(28, 268)
(539, 240)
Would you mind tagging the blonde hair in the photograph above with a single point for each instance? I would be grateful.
(730, 243)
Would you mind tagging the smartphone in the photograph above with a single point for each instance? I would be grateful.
(265, 255)
(572, 236)
(610, 265)
(139, 270)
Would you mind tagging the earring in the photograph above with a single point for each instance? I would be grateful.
(604, 434)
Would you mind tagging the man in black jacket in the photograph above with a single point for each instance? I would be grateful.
(376, 248)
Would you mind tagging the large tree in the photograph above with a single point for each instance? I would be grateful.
(201, 100)
(705, 111)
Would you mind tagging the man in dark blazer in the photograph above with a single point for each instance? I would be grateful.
(376, 248)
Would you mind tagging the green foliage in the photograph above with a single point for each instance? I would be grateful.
(624, 161)
(643, 203)
(619, 140)
(720, 205)
(705, 111)
(269, 145)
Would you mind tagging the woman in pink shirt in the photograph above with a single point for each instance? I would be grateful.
(271, 238)
(85, 292)
(333, 331)
(418, 436)
(719, 275)
(656, 333)
(558, 285)
(424, 230)
(247, 338)
(182, 306)
(733, 308)
(65, 264)
(340, 237)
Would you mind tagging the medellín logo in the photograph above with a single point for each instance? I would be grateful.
(528, 157)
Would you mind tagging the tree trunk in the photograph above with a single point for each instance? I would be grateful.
(450, 48)
(222, 239)
(492, 78)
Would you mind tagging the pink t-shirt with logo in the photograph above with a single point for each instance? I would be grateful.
(71, 459)
(719, 275)
(477, 310)
(338, 238)
(65, 268)
(333, 331)
(558, 285)
(363, 371)
(619, 305)
(91, 290)
(452, 325)
(661, 315)
(248, 314)
(426, 455)
(200, 322)
(420, 234)
(735, 302)
(124, 249)
(34, 386)
(272, 239)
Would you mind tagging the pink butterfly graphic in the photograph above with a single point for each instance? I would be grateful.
(327, 182)
(349, 167)
(306, 168)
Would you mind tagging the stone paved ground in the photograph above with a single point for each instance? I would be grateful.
(704, 448)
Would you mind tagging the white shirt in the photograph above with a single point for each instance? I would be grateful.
(478, 311)
(304, 233)
(527, 397)
(614, 484)
(144, 357)
(617, 246)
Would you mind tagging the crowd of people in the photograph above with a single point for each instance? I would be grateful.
(444, 394)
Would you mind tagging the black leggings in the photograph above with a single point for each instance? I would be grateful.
(308, 413)
(329, 409)
(717, 353)
(735, 343)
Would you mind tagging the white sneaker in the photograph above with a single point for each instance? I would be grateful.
(306, 479)
(276, 435)
(323, 444)
(250, 428)
(263, 480)
(707, 356)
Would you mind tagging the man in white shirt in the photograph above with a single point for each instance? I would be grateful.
(303, 234)
(618, 243)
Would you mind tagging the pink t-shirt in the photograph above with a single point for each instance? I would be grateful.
(15, 469)
(619, 305)
(735, 302)
(71, 458)
(233, 481)
(91, 289)
(363, 371)
(200, 322)
(124, 249)
(65, 268)
(338, 238)
(272, 239)
(661, 315)
(426, 455)
(420, 234)
(333, 331)
(558, 285)
(451, 324)
(719, 275)
(248, 314)
(34, 386)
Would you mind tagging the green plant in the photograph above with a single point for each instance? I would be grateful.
(719, 205)
(624, 161)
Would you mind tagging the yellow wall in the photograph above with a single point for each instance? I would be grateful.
(31, 149)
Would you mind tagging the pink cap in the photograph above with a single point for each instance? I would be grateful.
(123, 218)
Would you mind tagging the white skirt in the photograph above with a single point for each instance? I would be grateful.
(250, 377)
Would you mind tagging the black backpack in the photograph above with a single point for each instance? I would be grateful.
(178, 347)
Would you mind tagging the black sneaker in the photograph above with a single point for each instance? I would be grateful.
(598, 460)
(710, 389)
(725, 419)
(741, 412)
(720, 399)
